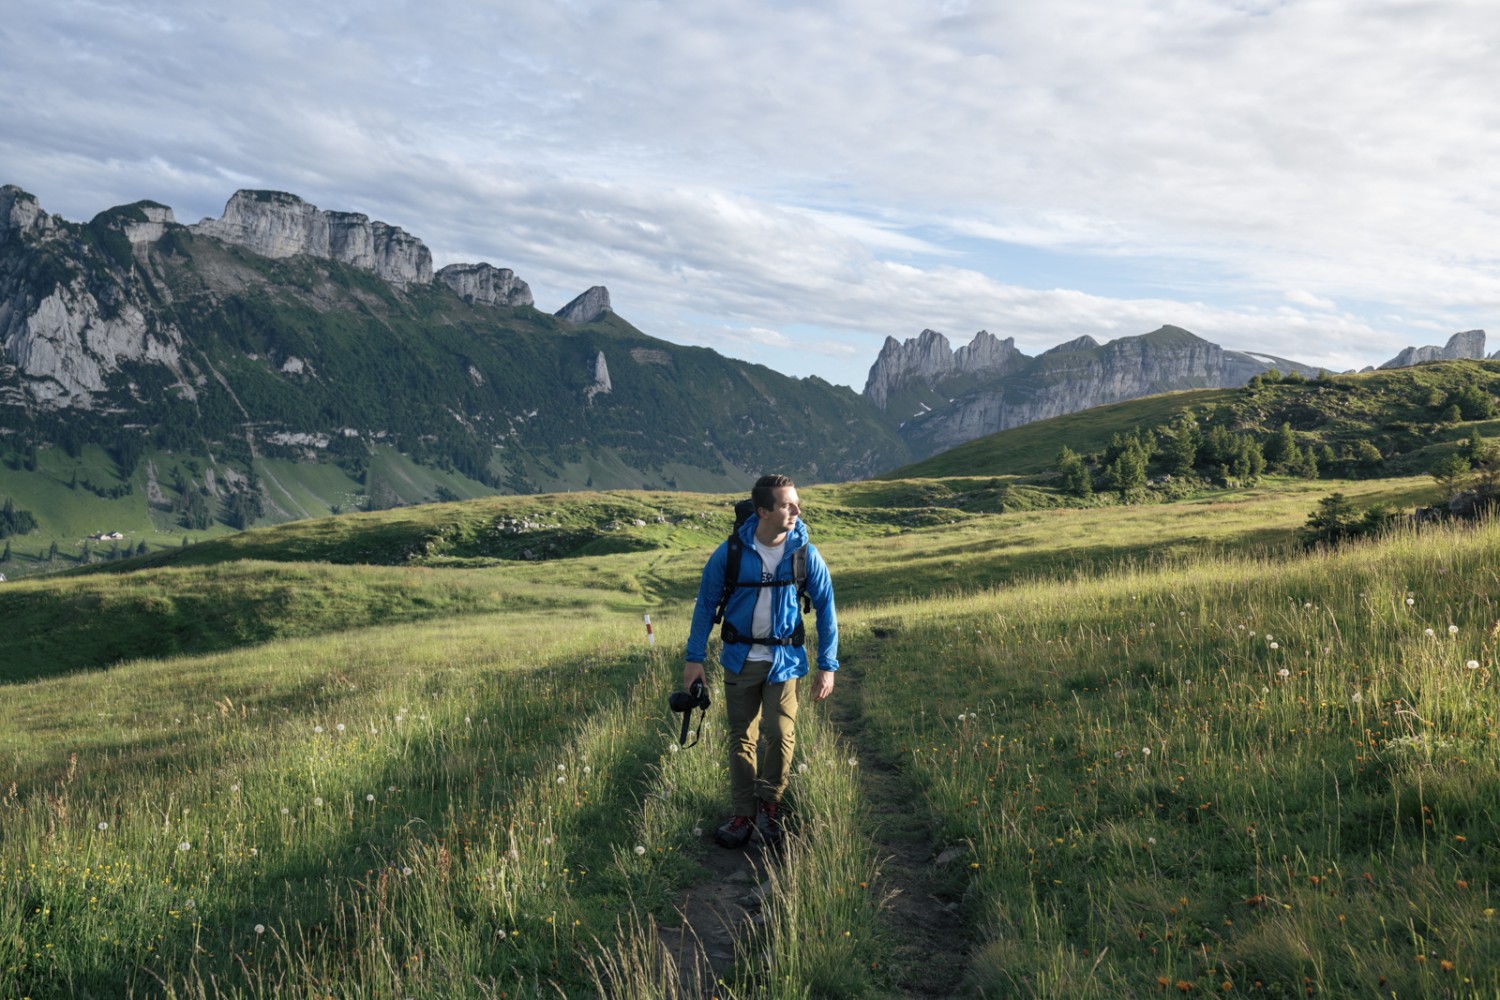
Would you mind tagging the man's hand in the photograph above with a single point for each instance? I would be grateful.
(822, 685)
(691, 672)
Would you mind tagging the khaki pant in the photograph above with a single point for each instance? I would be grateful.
(750, 703)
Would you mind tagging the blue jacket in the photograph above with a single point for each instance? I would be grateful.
(788, 661)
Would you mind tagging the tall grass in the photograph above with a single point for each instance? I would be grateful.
(1239, 775)
(482, 800)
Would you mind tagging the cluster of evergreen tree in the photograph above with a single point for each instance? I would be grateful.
(14, 520)
(1185, 449)
(1336, 520)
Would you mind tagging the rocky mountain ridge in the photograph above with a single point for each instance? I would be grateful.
(1468, 344)
(284, 331)
(949, 397)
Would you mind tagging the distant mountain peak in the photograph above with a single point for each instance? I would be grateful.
(589, 307)
(928, 358)
(1084, 343)
(1468, 344)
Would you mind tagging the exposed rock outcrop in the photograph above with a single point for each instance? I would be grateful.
(65, 338)
(589, 307)
(601, 383)
(1081, 374)
(486, 285)
(277, 224)
(21, 214)
(1468, 344)
(929, 360)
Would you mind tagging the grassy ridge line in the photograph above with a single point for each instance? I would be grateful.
(222, 599)
(1243, 776)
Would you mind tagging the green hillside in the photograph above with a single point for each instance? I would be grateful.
(1400, 412)
(1156, 749)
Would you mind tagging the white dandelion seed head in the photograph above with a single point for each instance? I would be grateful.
(390, 788)
(1356, 698)
(500, 934)
(802, 768)
(1429, 633)
(1307, 605)
(588, 770)
(1472, 664)
(234, 788)
(317, 800)
(255, 852)
(547, 841)
(562, 767)
(1275, 645)
(317, 729)
(673, 747)
(1150, 840)
(1453, 630)
(853, 761)
(1119, 754)
(103, 825)
(561, 780)
(369, 796)
(190, 904)
(1264, 689)
(697, 831)
(260, 928)
(285, 811)
(1145, 751)
(1283, 672)
(639, 850)
(185, 846)
(1269, 637)
(406, 871)
(1410, 601)
(339, 727)
(467, 721)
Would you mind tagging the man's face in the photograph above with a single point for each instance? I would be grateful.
(783, 516)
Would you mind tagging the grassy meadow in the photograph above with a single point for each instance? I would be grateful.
(1162, 750)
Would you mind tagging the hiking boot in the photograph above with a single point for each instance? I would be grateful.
(735, 832)
(768, 823)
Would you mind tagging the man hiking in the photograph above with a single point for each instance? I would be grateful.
(761, 580)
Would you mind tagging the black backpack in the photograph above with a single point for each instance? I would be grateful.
(728, 632)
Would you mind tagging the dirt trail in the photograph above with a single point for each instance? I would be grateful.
(921, 879)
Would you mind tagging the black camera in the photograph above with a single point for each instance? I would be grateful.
(684, 702)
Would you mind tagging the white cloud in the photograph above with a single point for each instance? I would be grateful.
(830, 173)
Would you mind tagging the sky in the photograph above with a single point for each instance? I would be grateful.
(793, 182)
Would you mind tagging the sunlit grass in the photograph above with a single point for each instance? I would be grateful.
(1179, 749)
(1238, 771)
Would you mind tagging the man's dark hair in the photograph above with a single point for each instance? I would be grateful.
(764, 493)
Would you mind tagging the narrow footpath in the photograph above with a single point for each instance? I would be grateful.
(920, 879)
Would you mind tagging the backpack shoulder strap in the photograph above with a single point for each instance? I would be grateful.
(799, 576)
(734, 550)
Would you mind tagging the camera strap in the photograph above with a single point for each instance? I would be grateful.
(686, 718)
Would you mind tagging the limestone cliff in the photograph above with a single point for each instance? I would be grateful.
(589, 307)
(930, 363)
(63, 337)
(277, 224)
(486, 285)
(1468, 344)
(1081, 374)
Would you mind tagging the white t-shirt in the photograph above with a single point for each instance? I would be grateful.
(760, 621)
